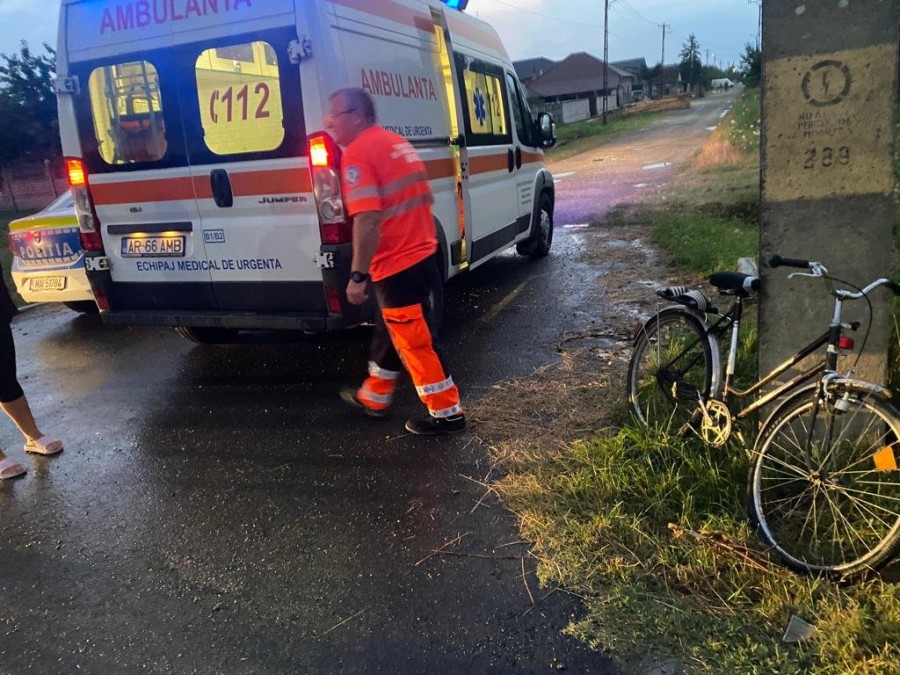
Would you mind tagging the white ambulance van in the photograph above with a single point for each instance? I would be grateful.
(207, 192)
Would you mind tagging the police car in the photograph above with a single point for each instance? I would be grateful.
(48, 262)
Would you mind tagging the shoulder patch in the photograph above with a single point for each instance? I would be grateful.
(351, 175)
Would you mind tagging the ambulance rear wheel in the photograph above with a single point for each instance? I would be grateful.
(83, 306)
(205, 335)
(538, 244)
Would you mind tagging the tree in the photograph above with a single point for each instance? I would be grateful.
(751, 65)
(647, 75)
(30, 125)
(690, 65)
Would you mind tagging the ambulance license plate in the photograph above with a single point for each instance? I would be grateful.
(162, 246)
(39, 284)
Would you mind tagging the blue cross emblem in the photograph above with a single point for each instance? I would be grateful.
(480, 113)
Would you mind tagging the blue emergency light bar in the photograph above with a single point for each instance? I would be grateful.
(456, 4)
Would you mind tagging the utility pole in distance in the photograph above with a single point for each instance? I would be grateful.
(605, 103)
(662, 63)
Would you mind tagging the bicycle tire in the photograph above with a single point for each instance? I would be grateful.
(665, 399)
(837, 515)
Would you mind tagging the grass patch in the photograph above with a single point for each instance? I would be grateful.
(579, 137)
(597, 496)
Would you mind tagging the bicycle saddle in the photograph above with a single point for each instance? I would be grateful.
(735, 283)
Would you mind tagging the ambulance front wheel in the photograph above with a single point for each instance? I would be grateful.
(538, 244)
(206, 335)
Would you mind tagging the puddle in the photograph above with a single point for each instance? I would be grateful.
(658, 165)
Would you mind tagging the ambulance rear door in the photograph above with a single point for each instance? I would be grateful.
(129, 120)
(247, 142)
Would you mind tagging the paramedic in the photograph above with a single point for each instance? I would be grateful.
(387, 194)
(12, 398)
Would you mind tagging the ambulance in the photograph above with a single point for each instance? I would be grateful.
(207, 192)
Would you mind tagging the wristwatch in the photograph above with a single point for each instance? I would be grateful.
(359, 277)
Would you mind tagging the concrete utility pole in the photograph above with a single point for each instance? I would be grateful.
(828, 121)
(605, 57)
(662, 74)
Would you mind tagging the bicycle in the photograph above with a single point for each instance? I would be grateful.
(824, 484)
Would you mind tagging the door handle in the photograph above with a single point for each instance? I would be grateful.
(221, 188)
(518, 158)
(510, 160)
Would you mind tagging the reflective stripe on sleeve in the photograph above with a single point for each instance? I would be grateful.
(377, 371)
(364, 191)
(435, 388)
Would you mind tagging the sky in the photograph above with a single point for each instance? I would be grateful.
(529, 28)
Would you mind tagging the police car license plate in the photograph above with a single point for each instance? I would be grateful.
(38, 284)
(162, 246)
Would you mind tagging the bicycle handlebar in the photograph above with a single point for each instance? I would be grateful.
(778, 261)
(818, 270)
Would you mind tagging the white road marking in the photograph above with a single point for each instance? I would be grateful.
(711, 128)
(557, 177)
(640, 185)
(658, 165)
(575, 225)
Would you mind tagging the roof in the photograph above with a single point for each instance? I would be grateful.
(578, 72)
(632, 66)
(671, 74)
(529, 69)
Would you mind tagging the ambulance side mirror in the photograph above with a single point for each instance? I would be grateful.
(546, 130)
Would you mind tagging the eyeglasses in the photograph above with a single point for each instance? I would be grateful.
(329, 118)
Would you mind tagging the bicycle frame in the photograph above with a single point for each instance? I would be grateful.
(730, 322)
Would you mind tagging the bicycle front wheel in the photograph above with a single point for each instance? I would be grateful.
(825, 488)
(671, 370)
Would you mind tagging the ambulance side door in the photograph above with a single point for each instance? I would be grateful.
(488, 175)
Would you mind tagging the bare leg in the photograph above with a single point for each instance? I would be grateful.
(20, 414)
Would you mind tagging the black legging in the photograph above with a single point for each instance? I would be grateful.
(9, 385)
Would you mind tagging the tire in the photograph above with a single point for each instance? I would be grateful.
(837, 515)
(83, 306)
(665, 398)
(206, 335)
(538, 244)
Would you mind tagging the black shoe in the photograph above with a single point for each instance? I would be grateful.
(435, 426)
(348, 395)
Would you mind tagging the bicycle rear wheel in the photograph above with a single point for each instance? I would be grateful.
(671, 370)
(825, 489)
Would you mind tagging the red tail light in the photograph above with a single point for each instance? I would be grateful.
(325, 166)
(333, 299)
(100, 299)
(88, 222)
(846, 343)
(75, 172)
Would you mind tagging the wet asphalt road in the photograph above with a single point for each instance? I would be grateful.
(217, 509)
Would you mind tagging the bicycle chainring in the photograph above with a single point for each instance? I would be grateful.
(716, 423)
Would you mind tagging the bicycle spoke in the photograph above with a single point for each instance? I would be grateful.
(859, 504)
(843, 520)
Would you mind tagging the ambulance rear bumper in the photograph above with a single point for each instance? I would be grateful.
(313, 323)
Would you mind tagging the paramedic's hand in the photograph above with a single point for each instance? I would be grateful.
(356, 292)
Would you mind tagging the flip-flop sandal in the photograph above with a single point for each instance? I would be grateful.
(9, 468)
(45, 445)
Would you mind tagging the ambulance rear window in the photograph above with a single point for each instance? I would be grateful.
(239, 92)
(127, 110)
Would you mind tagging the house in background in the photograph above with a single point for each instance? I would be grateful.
(531, 69)
(636, 68)
(572, 90)
(669, 83)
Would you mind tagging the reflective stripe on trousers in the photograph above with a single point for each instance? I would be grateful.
(377, 392)
(412, 340)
